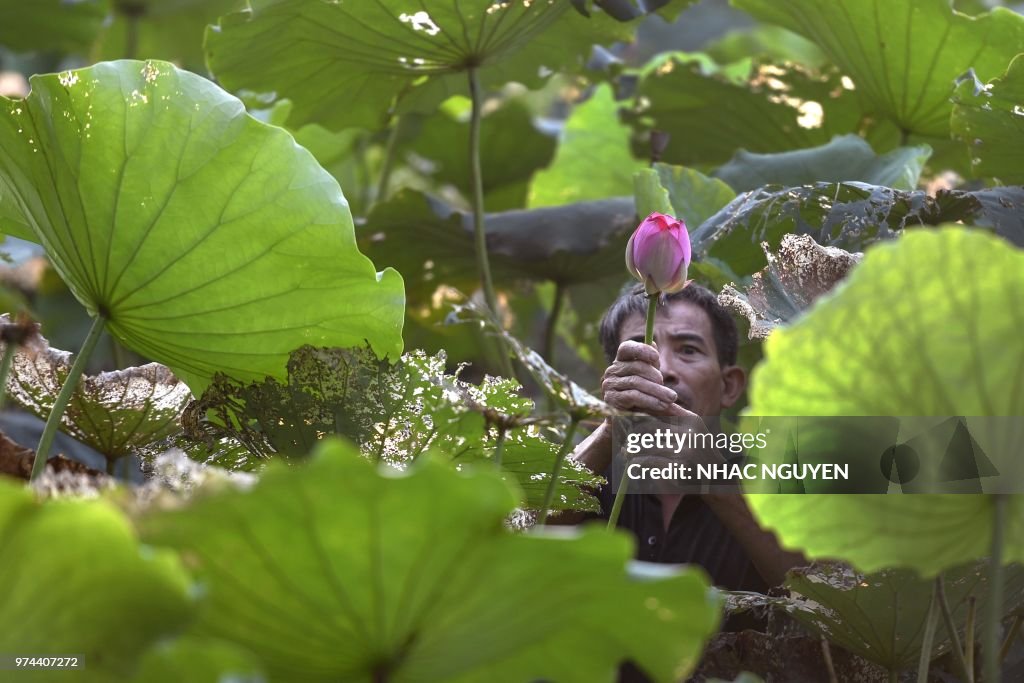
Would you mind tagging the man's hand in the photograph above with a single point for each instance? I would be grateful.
(633, 383)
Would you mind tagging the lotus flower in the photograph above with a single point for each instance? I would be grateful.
(658, 254)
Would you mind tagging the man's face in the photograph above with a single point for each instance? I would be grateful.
(689, 359)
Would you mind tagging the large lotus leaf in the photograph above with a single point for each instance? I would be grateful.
(414, 577)
(709, 115)
(198, 661)
(210, 241)
(847, 215)
(171, 30)
(593, 160)
(511, 150)
(683, 192)
(432, 243)
(394, 412)
(78, 582)
(902, 58)
(50, 24)
(846, 157)
(113, 412)
(765, 41)
(881, 616)
(918, 328)
(798, 274)
(990, 119)
(370, 53)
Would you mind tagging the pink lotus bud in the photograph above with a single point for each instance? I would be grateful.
(658, 254)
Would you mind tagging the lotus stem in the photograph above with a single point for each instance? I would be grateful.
(1010, 636)
(972, 608)
(551, 329)
(991, 667)
(70, 384)
(826, 653)
(549, 495)
(927, 641)
(388, 163)
(111, 465)
(483, 263)
(499, 447)
(954, 637)
(10, 349)
(613, 518)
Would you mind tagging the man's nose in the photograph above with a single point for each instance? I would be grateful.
(668, 368)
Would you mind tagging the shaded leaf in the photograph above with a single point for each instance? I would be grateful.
(184, 242)
(800, 272)
(881, 616)
(559, 389)
(431, 243)
(50, 24)
(84, 586)
(171, 30)
(451, 595)
(929, 287)
(766, 42)
(990, 119)
(511, 150)
(198, 661)
(709, 115)
(846, 157)
(846, 215)
(593, 160)
(394, 412)
(114, 413)
(903, 59)
(373, 53)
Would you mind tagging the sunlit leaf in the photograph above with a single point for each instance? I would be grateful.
(797, 274)
(346, 63)
(902, 58)
(50, 24)
(847, 157)
(954, 296)
(187, 243)
(449, 594)
(593, 160)
(990, 119)
(80, 583)
(198, 660)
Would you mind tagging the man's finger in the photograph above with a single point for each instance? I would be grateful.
(641, 384)
(632, 350)
(635, 367)
(637, 401)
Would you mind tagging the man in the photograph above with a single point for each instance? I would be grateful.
(691, 372)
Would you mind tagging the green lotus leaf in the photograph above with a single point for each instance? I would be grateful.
(414, 577)
(511, 150)
(990, 119)
(709, 113)
(81, 584)
(953, 296)
(50, 24)
(847, 157)
(902, 58)
(593, 160)
(370, 54)
(209, 241)
(682, 192)
(171, 30)
(198, 661)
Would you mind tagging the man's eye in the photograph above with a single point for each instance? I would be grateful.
(689, 350)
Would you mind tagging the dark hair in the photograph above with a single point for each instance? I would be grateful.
(634, 300)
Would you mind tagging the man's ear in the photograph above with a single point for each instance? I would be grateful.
(734, 381)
